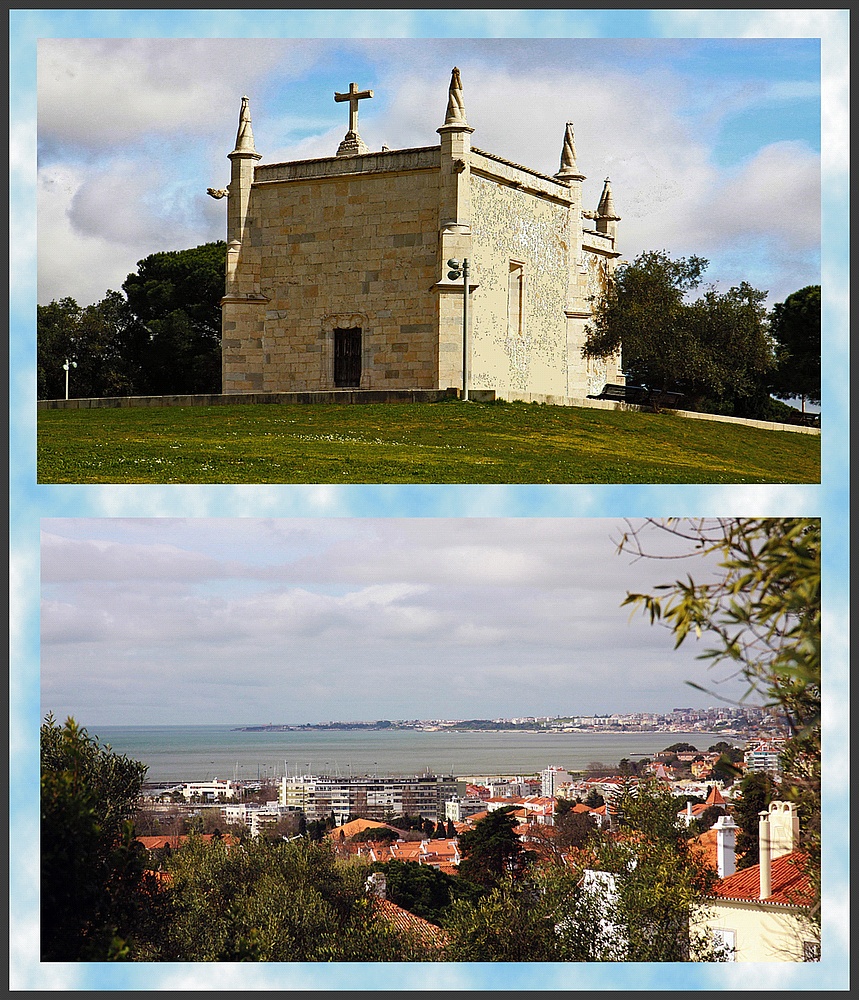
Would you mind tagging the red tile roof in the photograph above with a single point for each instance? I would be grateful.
(153, 843)
(789, 883)
(359, 826)
(715, 798)
(427, 933)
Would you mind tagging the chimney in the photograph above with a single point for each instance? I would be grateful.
(376, 885)
(726, 842)
(765, 853)
(784, 828)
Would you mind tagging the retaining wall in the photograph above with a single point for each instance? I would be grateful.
(348, 396)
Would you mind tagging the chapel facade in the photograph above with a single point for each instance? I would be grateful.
(337, 269)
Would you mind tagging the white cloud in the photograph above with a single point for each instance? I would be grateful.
(776, 195)
(95, 224)
(477, 608)
(65, 559)
(95, 92)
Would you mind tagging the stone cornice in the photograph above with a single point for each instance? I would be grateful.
(518, 166)
(387, 161)
(599, 243)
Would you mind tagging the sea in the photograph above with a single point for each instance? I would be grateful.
(200, 753)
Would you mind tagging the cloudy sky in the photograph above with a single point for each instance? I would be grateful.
(315, 619)
(712, 145)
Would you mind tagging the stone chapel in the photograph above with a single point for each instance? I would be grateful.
(337, 269)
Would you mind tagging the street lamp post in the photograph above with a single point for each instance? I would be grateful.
(456, 271)
(66, 366)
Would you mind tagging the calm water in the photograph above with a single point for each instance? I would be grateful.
(197, 753)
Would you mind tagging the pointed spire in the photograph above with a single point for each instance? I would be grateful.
(568, 155)
(606, 217)
(605, 209)
(245, 134)
(455, 105)
(569, 171)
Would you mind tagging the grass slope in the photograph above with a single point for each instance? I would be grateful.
(448, 442)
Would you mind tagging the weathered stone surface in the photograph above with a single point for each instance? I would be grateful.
(362, 239)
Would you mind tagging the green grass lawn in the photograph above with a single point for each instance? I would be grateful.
(447, 442)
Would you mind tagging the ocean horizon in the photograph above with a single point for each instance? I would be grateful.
(203, 752)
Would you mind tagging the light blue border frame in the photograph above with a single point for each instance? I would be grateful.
(30, 502)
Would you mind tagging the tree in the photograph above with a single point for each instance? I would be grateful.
(593, 800)
(510, 923)
(715, 350)
(175, 296)
(570, 830)
(653, 880)
(756, 791)
(374, 833)
(275, 902)
(95, 900)
(102, 340)
(423, 890)
(795, 327)
(734, 754)
(763, 612)
(492, 853)
(161, 337)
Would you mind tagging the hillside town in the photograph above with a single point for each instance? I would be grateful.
(753, 912)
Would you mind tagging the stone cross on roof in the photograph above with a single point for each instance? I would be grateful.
(352, 143)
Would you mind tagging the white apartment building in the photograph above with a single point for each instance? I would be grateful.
(458, 809)
(377, 798)
(208, 791)
(254, 816)
(551, 780)
(764, 756)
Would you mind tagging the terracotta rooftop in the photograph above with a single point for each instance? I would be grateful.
(789, 883)
(359, 826)
(428, 933)
(154, 843)
(715, 798)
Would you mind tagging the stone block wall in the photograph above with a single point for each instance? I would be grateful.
(324, 248)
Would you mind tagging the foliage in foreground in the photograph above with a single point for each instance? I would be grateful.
(95, 898)
(763, 613)
(287, 902)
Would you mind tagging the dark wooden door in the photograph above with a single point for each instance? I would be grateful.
(347, 357)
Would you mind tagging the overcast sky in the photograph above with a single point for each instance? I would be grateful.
(302, 620)
(712, 145)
